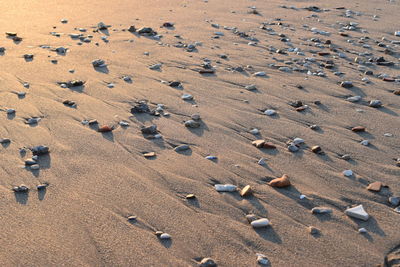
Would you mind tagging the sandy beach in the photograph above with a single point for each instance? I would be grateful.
(130, 129)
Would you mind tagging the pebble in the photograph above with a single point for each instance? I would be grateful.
(293, 148)
(320, 210)
(105, 129)
(346, 84)
(190, 196)
(181, 148)
(357, 212)
(375, 103)
(260, 74)
(212, 157)
(34, 167)
(375, 186)
(20, 189)
(364, 142)
(152, 129)
(358, 129)
(316, 149)
(348, 173)
(251, 87)
(260, 223)
(269, 112)
(262, 161)
(5, 140)
(132, 218)
(149, 154)
(254, 131)
(207, 262)
(297, 141)
(40, 150)
(99, 63)
(246, 191)
(42, 186)
(395, 201)
(263, 144)
(280, 182)
(187, 97)
(225, 187)
(313, 230)
(192, 124)
(262, 259)
(362, 231)
(155, 66)
(165, 236)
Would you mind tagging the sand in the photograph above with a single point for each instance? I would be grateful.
(96, 180)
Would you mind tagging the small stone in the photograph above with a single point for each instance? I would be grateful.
(99, 63)
(280, 182)
(346, 157)
(152, 129)
(262, 259)
(262, 161)
(246, 191)
(34, 167)
(181, 148)
(260, 74)
(321, 210)
(40, 150)
(105, 129)
(132, 218)
(375, 103)
(346, 84)
(254, 131)
(42, 186)
(207, 262)
(357, 212)
(225, 187)
(158, 233)
(156, 66)
(316, 149)
(192, 124)
(20, 189)
(10, 111)
(211, 157)
(269, 112)
(313, 230)
(195, 116)
(375, 186)
(149, 154)
(297, 141)
(362, 231)
(354, 98)
(260, 223)
(190, 196)
(358, 129)
(348, 173)
(5, 140)
(250, 87)
(293, 148)
(251, 218)
(165, 236)
(187, 97)
(364, 142)
(395, 201)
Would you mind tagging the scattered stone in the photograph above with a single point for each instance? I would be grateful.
(149, 154)
(165, 236)
(99, 63)
(348, 173)
(5, 141)
(375, 103)
(192, 124)
(280, 182)
(152, 129)
(190, 196)
(358, 129)
(132, 218)
(321, 210)
(313, 230)
(181, 148)
(357, 212)
(42, 186)
(40, 150)
(269, 112)
(346, 84)
(375, 186)
(225, 187)
(246, 191)
(316, 149)
(362, 231)
(207, 262)
(260, 223)
(20, 189)
(263, 144)
(262, 259)
(395, 201)
(105, 129)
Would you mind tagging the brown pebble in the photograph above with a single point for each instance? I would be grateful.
(358, 129)
(388, 79)
(246, 191)
(375, 186)
(280, 182)
(323, 53)
(397, 92)
(263, 144)
(302, 108)
(206, 71)
(105, 128)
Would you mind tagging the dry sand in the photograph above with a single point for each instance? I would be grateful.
(97, 180)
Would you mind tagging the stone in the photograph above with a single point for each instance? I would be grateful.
(313, 230)
(140, 107)
(269, 112)
(362, 230)
(187, 97)
(254, 131)
(346, 84)
(40, 150)
(262, 259)
(375, 186)
(190, 196)
(395, 201)
(99, 63)
(260, 74)
(262, 161)
(132, 218)
(293, 148)
(346, 157)
(21, 189)
(358, 129)
(152, 129)
(357, 212)
(316, 149)
(280, 182)
(211, 157)
(207, 262)
(225, 187)
(354, 98)
(348, 173)
(5, 140)
(149, 154)
(321, 210)
(364, 142)
(34, 167)
(297, 141)
(42, 186)
(105, 129)
(260, 223)
(375, 103)
(251, 217)
(181, 148)
(192, 124)
(165, 236)
(246, 191)
(250, 87)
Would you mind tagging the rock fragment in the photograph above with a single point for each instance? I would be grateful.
(280, 182)
(357, 212)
